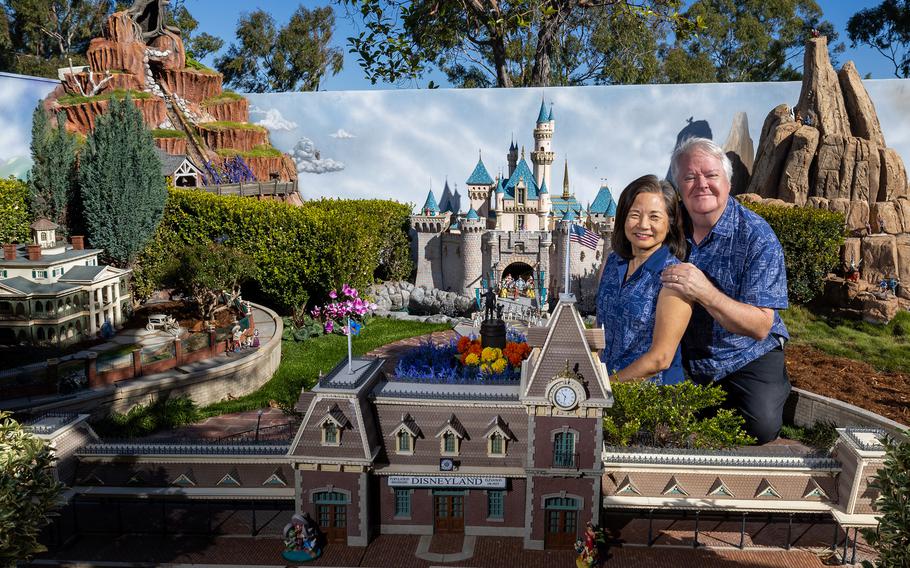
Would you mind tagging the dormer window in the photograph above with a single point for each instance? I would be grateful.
(405, 435)
(497, 445)
(404, 441)
(449, 444)
(521, 195)
(332, 425)
(330, 434)
(498, 435)
(450, 436)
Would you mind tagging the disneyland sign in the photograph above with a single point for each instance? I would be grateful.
(452, 481)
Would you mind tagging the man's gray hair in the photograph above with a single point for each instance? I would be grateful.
(694, 144)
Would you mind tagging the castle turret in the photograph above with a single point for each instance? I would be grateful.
(472, 228)
(500, 201)
(429, 223)
(480, 184)
(543, 207)
(542, 156)
(512, 157)
(565, 182)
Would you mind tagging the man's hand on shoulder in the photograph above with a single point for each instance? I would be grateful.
(690, 282)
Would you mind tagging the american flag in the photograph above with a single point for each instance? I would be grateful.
(587, 238)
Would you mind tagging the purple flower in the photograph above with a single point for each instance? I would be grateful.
(329, 326)
(333, 294)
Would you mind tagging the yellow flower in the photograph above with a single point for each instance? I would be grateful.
(471, 359)
(490, 354)
(499, 365)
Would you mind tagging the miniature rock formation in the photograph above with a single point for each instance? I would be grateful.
(829, 152)
(139, 54)
(739, 149)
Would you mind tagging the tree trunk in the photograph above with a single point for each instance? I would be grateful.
(499, 60)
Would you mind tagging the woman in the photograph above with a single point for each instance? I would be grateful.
(644, 322)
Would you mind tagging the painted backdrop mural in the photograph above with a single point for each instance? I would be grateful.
(398, 144)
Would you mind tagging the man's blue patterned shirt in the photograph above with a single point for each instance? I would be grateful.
(743, 258)
(627, 311)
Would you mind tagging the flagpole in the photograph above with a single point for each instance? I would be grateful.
(568, 250)
(350, 332)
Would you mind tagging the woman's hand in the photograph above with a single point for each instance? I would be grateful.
(690, 282)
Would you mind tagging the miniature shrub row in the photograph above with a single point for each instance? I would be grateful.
(14, 216)
(118, 93)
(260, 151)
(811, 239)
(301, 252)
(167, 133)
(224, 97)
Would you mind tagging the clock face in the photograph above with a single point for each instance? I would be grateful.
(565, 397)
(446, 464)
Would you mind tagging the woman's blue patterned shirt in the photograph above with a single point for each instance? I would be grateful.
(627, 311)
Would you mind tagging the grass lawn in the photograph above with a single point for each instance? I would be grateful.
(302, 361)
(885, 347)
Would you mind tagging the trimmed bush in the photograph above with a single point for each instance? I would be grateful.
(14, 216)
(672, 416)
(301, 252)
(811, 239)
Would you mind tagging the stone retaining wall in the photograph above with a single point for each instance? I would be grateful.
(805, 408)
(236, 377)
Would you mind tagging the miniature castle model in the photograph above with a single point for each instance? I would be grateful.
(513, 227)
(57, 293)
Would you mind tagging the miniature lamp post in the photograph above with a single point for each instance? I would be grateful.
(258, 420)
(353, 329)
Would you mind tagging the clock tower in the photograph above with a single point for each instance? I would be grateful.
(565, 390)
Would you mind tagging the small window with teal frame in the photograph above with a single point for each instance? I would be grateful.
(495, 504)
(402, 503)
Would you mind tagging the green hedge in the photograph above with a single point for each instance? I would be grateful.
(811, 239)
(14, 217)
(302, 252)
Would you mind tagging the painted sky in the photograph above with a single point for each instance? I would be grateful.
(398, 144)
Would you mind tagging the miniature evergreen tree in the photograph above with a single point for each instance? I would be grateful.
(28, 491)
(123, 191)
(892, 536)
(51, 182)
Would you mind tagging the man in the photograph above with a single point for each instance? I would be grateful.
(736, 280)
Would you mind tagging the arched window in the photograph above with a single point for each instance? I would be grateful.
(330, 434)
(404, 441)
(449, 443)
(497, 444)
(564, 449)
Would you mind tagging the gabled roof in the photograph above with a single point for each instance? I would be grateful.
(499, 425)
(626, 486)
(408, 423)
(83, 273)
(543, 115)
(430, 203)
(719, 488)
(454, 425)
(480, 175)
(337, 416)
(674, 488)
(566, 341)
(765, 489)
(813, 490)
(43, 224)
(522, 173)
(185, 479)
(604, 203)
(170, 162)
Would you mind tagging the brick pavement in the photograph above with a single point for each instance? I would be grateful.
(397, 551)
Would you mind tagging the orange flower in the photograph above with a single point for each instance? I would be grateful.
(464, 343)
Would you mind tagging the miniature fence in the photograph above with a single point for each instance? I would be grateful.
(64, 377)
(254, 188)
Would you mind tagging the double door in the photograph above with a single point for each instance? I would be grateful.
(333, 521)
(448, 508)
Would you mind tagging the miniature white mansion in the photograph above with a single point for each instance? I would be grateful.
(57, 293)
(513, 227)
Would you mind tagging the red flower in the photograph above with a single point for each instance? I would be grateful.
(464, 343)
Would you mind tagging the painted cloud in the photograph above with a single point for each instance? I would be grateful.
(309, 161)
(273, 119)
(342, 134)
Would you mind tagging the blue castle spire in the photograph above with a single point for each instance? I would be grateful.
(430, 206)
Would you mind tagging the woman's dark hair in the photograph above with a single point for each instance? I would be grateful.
(676, 236)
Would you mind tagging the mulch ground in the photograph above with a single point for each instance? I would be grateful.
(855, 382)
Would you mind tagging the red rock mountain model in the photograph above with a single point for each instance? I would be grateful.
(185, 107)
(829, 152)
